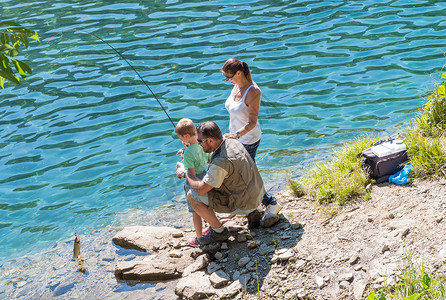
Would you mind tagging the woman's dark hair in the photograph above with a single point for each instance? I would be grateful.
(233, 65)
(209, 129)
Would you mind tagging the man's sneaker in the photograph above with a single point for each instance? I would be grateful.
(214, 236)
(269, 219)
(273, 209)
(254, 219)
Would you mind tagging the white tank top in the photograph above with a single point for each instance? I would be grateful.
(239, 117)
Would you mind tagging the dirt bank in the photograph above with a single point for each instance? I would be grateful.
(363, 245)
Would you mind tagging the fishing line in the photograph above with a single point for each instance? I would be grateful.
(122, 56)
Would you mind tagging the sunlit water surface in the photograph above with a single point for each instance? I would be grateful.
(86, 148)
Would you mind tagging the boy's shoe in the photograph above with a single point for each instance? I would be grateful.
(194, 242)
(214, 236)
(273, 209)
(269, 219)
(254, 219)
(206, 231)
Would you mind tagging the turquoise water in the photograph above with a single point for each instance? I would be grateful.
(83, 140)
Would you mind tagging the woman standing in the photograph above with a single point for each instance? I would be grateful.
(243, 106)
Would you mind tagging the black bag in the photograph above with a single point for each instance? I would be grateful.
(380, 168)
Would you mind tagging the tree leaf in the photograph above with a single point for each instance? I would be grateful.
(8, 46)
(24, 39)
(2, 81)
(21, 67)
(8, 24)
(4, 38)
(13, 38)
(443, 75)
(16, 44)
(31, 33)
(25, 67)
(10, 77)
(35, 37)
(14, 52)
(15, 41)
(4, 63)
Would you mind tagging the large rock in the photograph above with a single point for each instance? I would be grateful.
(200, 263)
(195, 286)
(160, 268)
(198, 286)
(146, 238)
(219, 279)
(230, 290)
(145, 271)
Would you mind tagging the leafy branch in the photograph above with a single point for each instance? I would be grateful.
(12, 37)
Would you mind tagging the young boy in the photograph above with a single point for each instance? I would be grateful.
(194, 160)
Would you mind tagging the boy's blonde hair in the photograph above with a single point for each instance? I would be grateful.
(185, 126)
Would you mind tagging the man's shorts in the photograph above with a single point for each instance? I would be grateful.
(205, 200)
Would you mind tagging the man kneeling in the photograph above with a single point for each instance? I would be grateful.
(232, 184)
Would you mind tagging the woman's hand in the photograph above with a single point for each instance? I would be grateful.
(231, 135)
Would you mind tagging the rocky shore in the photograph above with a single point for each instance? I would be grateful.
(307, 255)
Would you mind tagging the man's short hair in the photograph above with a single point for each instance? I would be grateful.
(209, 129)
(185, 126)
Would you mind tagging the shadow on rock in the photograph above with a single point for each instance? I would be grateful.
(251, 254)
(219, 270)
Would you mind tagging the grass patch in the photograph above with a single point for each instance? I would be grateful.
(296, 187)
(415, 282)
(339, 180)
(427, 155)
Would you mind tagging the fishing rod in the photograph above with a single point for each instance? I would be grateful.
(122, 56)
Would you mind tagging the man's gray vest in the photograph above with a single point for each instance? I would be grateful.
(243, 187)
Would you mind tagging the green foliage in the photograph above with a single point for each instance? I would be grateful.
(380, 296)
(413, 283)
(433, 120)
(425, 140)
(427, 155)
(12, 37)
